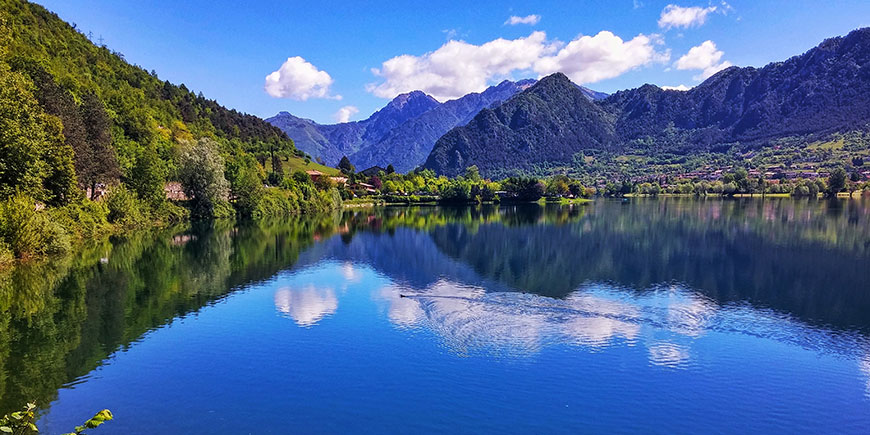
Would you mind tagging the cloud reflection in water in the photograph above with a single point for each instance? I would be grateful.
(470, 320)
(306, 305)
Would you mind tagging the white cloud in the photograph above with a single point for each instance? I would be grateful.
(528, 19)
(589, 59)
(677, 16)
(298, 79)
(705, 57)
(344, 114)
(676, 88)
(458, 68)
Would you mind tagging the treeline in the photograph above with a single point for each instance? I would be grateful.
(422, 185)
(740, 183)
(90, 141)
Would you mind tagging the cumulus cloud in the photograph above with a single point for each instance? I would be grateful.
(676, 88)
(705, 57)
(344, 114)
(680, 17)
(458, 68)
(298, 79)
(528, 19)
(589, 59)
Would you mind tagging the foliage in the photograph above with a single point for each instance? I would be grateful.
(24, 421)
(30, 232)
(201, 171)
(836, 182)
(94, 422)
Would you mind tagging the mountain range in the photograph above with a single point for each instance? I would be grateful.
(825, 90)
(402, 133)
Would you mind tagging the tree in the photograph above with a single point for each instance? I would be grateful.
(472, 174)
(345, 165)
(147, 177)
(201, 173)
(100, 164)
(391, 169)
(33, 157)
(523, 188)
(836, 181)
(376, 182)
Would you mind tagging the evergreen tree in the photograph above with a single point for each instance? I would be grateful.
(345, 165)
(99, 164)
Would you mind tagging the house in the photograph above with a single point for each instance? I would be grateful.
(341, 181)
(371, 172)
(174, 191)
(314, 174)
(364, 187)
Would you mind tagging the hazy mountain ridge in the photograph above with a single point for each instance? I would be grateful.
(826, 89)
(407, 146)
(402, 133)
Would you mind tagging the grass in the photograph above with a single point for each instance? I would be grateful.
(298, 164)
(836, 144)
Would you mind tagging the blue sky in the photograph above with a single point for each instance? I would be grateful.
(320, 51)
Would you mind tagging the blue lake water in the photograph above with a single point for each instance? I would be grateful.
(647, 316)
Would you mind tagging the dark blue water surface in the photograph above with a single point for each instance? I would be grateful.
(649, 316)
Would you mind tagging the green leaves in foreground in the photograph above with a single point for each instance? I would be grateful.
(19, 422)
(98, 419)
(23, 422)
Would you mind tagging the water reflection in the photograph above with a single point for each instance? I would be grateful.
(653, 276)
(470, 320)
(306, 306)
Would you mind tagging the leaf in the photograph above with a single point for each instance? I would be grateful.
(98, 419)
(6, 429)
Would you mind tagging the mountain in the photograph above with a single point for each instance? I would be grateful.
(825, 90)
(527, 129)
(402, 133)
(407, 145)
(331, 142)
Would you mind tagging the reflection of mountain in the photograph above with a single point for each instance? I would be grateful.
(712, 247)
(306, 306)
(807, 259)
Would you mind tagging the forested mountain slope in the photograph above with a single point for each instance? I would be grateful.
(824, 90)
(67, 98)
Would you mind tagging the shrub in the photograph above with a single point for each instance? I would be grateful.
(30, 232)
(124, 207)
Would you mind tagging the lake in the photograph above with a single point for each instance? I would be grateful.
(662, 315)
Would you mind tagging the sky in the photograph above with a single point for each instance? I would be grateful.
(342, 60)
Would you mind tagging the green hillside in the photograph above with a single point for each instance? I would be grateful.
(75, 118)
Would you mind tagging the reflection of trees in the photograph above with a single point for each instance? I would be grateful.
(67, 316)
(792, 256)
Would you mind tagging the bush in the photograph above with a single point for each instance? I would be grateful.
(30, 232)
(124, 207)
(84, 218)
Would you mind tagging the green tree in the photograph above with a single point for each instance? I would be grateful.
(99, 165)
(201, 172)
(147, 177)
(30, 142)
(345, 165)
(836, 182)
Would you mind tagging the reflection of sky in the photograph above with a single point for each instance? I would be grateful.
(468, 319)
(864, 365)
(306, 305)
(667, 321)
